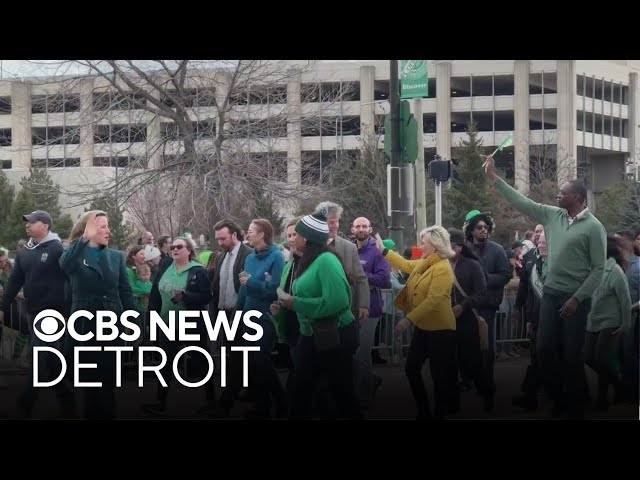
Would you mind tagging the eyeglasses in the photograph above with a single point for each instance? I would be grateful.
(176, 247)
(482, 227)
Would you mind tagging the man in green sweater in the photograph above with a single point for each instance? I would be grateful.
(576, 246)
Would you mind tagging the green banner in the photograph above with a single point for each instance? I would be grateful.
(414, 79)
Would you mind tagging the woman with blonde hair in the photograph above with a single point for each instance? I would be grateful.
(98, 279)
(426, 299)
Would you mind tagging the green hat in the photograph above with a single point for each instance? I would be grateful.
(471, 214)
(314, 228)
(389, 244)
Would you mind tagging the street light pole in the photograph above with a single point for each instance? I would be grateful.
(394, 189)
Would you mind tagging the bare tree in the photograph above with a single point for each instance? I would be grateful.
(223, 126)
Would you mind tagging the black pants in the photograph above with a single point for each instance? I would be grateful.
(560, 348)
(337, 364)
(440, 347)
(602, 356)
(469, 356)
(234, 367)
(489, 314)
(198, 366)
(99, 403)
(532, 381)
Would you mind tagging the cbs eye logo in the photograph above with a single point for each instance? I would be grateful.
(49, 326)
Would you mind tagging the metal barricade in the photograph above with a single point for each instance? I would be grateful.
(14, 331)
(396, 346)
(509, 332)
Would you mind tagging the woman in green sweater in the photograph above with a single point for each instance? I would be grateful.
(328, 332)
(610, 315)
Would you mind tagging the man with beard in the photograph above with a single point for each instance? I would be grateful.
(378, 273)
(576, 247)
(477, 229)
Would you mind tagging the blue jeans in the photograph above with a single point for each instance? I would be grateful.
(561, 351)
(364, 362)
(49, 368)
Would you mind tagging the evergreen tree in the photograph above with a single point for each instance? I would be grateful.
(38, 192)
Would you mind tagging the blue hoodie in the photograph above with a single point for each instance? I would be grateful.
(258, 293)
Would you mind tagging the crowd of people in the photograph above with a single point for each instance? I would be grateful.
(572, 285)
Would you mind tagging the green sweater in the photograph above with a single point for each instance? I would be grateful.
(322, 291)
(611, 306)
(576, 253)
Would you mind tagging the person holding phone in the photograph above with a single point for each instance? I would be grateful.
(183, 285)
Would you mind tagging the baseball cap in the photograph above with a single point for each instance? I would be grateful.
(38, 216)
(151, 252)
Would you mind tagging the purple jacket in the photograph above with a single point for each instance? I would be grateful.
(378, 272)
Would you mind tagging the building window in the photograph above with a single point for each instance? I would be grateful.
(5, 137)
(117, 161)
(330, 92)
(5, 105)
(58, 103)
(481, 86)
(429, 122)
(6, 164)
(119, 133)
(55, 136)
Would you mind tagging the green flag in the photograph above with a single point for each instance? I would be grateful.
(414, 79)
(507, 142)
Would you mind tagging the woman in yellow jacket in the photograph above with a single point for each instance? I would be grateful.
(426, 299)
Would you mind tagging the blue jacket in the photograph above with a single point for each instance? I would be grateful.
(258, 293)
(378, 272)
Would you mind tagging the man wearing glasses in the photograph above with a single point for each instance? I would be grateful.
(477, 229)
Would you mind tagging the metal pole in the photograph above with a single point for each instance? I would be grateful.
(438, 202)
(395, 228)
(421, 200)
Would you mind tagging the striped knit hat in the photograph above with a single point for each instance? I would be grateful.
(314, 227)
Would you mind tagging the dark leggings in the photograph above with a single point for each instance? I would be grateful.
(602, 356)
(440, 347)
(336, 363)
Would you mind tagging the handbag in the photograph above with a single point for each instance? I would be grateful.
(483, 328)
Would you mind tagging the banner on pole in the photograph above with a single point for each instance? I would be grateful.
(414, 79)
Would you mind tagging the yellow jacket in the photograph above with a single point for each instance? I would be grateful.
(426, 298)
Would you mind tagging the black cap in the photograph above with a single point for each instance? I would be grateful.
(456, 237)
(38, 216)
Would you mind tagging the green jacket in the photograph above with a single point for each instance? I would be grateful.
(322, 292)
(279, 318)
(611, 303)
(576, 253)
(97, 282)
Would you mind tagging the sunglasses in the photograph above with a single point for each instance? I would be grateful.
(176, 247)
(482, 227)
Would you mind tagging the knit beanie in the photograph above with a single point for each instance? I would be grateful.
(314, 228)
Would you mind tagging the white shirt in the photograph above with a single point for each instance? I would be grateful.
(228, 295)
(578, 216)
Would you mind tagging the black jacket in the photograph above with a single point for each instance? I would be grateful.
(196, 295)
(37, 271)
(471, 277)
(238, 266)
(495, 263)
